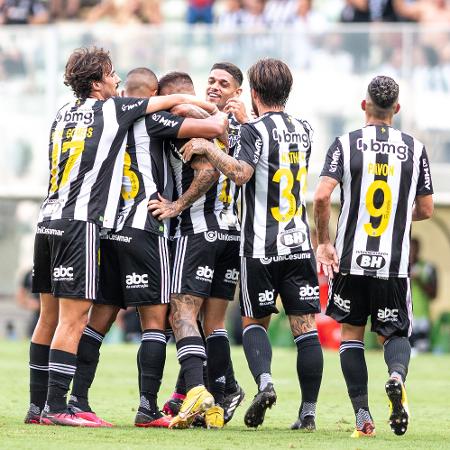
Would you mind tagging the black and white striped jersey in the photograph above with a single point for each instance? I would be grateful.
(87, 144)
(380, 170)
(217, 209)
(274, 218)
(146, 171)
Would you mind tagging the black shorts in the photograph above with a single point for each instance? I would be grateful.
(66, 259)
(293, 277)
(134, 269)
(206, 264)
(353, 298)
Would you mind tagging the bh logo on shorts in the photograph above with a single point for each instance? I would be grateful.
(343, 305)
(266, 297)
(309, 292)
(204, 273)
(232, 276)
(210, 236)
(63, 273)
(136, 281)
(387, 315)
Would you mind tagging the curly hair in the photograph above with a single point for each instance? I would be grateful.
(85, 66)
(383, 91)
(272, 80)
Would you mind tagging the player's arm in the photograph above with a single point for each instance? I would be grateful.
(236, 107)
(166, 102)
(205, 176)
(423, 207)
(327, 258)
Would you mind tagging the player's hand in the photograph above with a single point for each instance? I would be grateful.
(196, 146)
(162, 208)
(236, 107)
(327, 259)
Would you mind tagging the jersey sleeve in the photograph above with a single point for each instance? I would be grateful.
(424, 183)
(249, 146)
(129, 109)
(334, 162)
(163, 124)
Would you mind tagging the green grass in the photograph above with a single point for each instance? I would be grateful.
(114, 396)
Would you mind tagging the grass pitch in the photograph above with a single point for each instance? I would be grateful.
(114, 397)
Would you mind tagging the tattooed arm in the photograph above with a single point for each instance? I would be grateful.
(205, 177)
(238, 171)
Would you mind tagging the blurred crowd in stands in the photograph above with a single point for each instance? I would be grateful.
(229, 13)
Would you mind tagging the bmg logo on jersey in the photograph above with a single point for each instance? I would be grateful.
(62, 273)
(204, 273)
(232, 276)
(343, 305)
(385, 148)
(83, 116)
(136, 281)
(308, 292)
(387, 315)
(267, 297)
(370, 262)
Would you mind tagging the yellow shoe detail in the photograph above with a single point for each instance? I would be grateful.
(197, 401)
(214, 417)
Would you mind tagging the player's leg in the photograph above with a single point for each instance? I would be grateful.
(191, 284)
(392, 321)
(152, 358)
(74, 282)
(257, 301)
(349, 304)
(73, 318)
(299, 291)
(220, 366)
(39, 354)
(101, 318)
(102, 315)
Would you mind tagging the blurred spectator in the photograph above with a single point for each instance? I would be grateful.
(253, 15)
(29, 301)
(280, 11)
(369, 11)
(70, 9)
(23, 12)
(127, 11)
(425, 11)
(232, 16)
(306, 17)
(423, 289)
(200, 11)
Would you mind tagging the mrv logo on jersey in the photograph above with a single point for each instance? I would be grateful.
(135, 281)
(369, 261)
(266, 297)
(385, 148)
(83, 116)
(292, 238)
(204, 273)
(387, 315)
(63, 273)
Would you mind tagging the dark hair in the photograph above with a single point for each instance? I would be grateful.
(233, 70)
(175, 79)
(383, 91)
(271, 79)
(86, 65)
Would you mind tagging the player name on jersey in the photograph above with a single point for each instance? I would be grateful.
(381, 170)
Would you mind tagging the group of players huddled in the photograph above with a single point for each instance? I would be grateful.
(142, 211)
